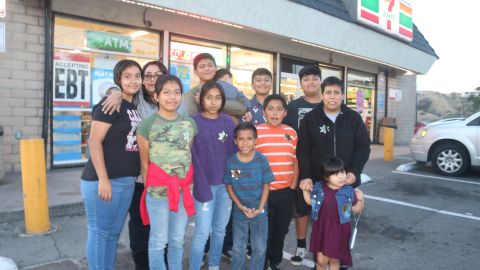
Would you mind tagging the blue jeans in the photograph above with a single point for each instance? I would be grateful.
(165, 227)
(258, 238)
(105, 220)
(210, 216)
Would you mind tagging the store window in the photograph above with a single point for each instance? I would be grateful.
(243, 64)
(290, 82)
(182, 53)
(361, 90)
(84, 56)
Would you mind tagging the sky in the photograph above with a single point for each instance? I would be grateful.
(452, 29)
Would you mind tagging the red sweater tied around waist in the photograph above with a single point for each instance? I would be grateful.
(156, 176)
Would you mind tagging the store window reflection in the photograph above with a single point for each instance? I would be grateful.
(361, 91)
(182, 53)
(84, 56)
(243, 63)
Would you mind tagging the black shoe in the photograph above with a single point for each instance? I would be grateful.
(249, 252)
(227, 254)
(297, 258)
(203, 259)
(273, 267)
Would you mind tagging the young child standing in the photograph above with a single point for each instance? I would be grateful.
(332, 202)
(278, 143)
(248, 178)
(212, 146)
(165, 140)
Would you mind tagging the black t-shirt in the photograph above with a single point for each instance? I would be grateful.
(120, 147)
(296, 110)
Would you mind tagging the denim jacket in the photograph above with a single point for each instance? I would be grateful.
(344, 201)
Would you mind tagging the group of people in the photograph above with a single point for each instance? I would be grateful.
(243, 168)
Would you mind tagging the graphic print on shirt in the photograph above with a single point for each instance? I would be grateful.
(135, 120)
(222, 136)
(324, 129)
(174, 138)
(301, 114)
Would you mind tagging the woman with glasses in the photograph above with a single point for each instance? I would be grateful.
(146, 106)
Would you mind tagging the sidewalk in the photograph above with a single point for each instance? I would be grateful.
(64, 190)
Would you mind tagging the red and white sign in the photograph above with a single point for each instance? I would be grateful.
(71, 79)
(3, 9)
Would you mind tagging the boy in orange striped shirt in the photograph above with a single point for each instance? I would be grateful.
(278, 143)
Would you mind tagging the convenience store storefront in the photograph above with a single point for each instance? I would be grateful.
(88, 40)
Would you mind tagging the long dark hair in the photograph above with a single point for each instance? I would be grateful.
(165, 79)
(120, 67)
(205, 88)
(332, 166)
(163, 70)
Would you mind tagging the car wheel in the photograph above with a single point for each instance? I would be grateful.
(450, 159)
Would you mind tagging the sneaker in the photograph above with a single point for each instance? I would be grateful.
(227, 254)
(273, 267)
(297, 258)
(249, 252)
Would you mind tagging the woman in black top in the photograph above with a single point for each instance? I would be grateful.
(109, 176)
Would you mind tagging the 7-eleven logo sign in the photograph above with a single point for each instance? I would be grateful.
(391, 16)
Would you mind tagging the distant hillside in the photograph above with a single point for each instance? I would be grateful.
(433, 106)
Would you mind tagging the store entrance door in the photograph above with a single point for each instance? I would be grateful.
(290, 86)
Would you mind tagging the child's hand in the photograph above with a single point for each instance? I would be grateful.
(255, 213)
(247, 211)
(248, 117)
(306, 184)
(359, 194)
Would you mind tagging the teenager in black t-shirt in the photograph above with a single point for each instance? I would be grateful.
(109, 176)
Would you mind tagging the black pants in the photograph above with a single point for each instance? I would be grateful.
(280, 204)
(138, 233)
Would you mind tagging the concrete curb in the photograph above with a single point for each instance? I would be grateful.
(55, 211)
(407, 167)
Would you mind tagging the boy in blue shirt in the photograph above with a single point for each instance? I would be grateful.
(247, 177)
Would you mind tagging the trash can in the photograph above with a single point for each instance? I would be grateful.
(389, 122)
(2, 169)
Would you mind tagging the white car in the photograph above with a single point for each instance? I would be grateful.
(452, 145)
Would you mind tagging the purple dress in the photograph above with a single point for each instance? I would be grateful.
(329, 236)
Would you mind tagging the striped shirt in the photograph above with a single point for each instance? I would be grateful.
(279, 145)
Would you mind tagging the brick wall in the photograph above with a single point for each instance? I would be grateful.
(405, 110)
(21, 76)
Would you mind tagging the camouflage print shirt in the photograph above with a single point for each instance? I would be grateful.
(170, 144)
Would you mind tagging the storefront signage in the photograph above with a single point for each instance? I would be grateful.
(395, 94)
(109, 41)
(3, 9)
(183, 73)
(381, 101)
(2, 37)
(391, 16)
(99, 76)
(71, 79)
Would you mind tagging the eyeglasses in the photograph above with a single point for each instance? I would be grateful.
(154, 76)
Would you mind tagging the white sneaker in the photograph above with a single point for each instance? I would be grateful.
(297, 258)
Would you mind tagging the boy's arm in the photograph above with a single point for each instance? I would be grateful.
(235, 199)
(189, 103)
(243, 99)
(263, 200)
(295, 175)
(358, 207)
(233, 107)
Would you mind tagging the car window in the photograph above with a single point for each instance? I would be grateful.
(474, 122)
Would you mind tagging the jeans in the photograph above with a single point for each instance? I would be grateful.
(138, 233)
(258, 238)
(105, 220)
(210, 216)
(165, 227)
(280, 206)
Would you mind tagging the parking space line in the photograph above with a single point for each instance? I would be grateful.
(448, 213)
(438, 177)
